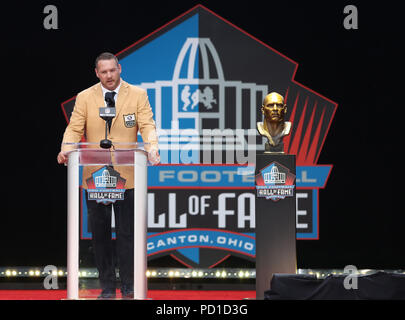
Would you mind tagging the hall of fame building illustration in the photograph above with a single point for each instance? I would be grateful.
(274, 176)
(105, 180)
(199, 99)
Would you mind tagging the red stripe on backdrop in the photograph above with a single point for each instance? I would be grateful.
(292, 117)
(311, 156)
(298, 134)
(305, 143)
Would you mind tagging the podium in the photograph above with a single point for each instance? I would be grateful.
(275, 218)
(104, 174)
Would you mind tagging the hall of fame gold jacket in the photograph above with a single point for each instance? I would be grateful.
(132, 102)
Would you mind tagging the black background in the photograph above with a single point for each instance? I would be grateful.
(361, 217)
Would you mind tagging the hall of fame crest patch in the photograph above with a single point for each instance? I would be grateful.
(129, 120)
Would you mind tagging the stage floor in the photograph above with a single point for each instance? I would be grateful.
(152, 294)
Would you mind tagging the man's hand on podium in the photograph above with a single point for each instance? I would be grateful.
(62, 157)
(154, 157)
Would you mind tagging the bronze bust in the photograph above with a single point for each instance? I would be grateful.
(274, 128)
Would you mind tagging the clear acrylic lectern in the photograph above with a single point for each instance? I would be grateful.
(104, 176)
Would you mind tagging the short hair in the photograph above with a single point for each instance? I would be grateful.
(106, 56)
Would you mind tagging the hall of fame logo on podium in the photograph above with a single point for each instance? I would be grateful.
(275, 182)
(105, 186)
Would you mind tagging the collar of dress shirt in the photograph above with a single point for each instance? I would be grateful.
(116, 90)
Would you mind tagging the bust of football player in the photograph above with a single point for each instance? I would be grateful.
(274, 128)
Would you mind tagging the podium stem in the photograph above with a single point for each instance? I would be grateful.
(73, 227)
(140, 226)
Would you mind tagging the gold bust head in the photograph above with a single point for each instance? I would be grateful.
(273, 127)
(274, 108)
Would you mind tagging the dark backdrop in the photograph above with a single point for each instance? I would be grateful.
(361, 217)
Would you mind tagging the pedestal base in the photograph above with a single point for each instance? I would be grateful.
(275, 218)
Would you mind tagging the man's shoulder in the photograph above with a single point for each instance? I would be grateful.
(89, 91)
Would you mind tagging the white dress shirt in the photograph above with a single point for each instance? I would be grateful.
(116, 90)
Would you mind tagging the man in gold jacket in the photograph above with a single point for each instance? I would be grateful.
(133, 113)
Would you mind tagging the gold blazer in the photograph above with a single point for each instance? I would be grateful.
(85, 122)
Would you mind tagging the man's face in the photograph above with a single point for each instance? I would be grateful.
(274, 112)
(109, 73)
(274, 108)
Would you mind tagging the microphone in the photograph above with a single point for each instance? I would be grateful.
(107, 114)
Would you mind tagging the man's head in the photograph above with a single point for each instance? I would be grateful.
(108, 70)
(274, 108)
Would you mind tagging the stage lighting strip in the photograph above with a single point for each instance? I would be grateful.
(230, 273)
(161, 273)
(323, 273)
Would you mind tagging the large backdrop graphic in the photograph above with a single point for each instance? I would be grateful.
(206, 69)
(206, 92)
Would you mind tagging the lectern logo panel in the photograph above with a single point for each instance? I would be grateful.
(275, 182)
(106, 186)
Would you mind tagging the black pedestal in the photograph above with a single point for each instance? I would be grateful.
(275, 218)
